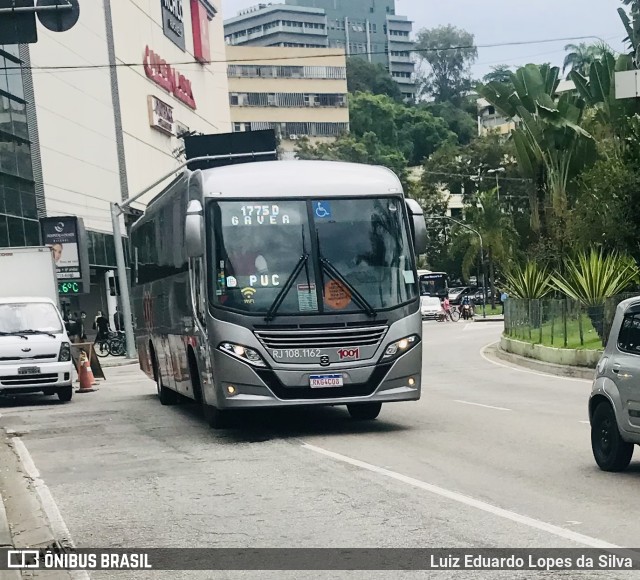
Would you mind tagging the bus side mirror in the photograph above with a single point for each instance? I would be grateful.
(193, 230)
(418, 226)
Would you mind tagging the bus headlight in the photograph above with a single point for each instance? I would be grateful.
(244, 353)
(399, 347)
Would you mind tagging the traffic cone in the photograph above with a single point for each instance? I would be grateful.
(87, 380)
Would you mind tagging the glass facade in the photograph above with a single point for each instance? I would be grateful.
(18, 213)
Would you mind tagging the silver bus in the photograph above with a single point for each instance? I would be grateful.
(280, 283)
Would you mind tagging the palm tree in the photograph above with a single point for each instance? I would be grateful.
(500, 74)
(579, 57)
(497, 231)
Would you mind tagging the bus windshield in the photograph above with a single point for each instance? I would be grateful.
(338, 255)
(434, 284)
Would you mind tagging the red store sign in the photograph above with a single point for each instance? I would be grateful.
(164, 75)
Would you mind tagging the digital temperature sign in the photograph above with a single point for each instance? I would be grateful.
(69, 288)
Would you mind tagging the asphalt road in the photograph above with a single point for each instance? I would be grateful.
(491, 456)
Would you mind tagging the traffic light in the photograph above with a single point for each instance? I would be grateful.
(114, 286)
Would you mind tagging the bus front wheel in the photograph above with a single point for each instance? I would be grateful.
(364, 411)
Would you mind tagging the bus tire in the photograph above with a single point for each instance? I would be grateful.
(166, 396)
(364, 411)
(216, 418)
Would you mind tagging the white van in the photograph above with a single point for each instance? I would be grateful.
(35, 351)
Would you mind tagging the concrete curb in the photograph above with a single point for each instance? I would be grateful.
(543, 367)
(5, 532)
(489, 319)
(119, 362)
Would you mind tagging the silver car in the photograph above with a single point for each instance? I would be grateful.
(614, 405)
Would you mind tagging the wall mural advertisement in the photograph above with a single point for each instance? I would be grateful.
(61, 235)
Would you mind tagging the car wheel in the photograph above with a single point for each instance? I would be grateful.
(610, 451)
(65, 393)
(364, 411)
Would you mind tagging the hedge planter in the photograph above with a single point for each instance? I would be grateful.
(560, 356)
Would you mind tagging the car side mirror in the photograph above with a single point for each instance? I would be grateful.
(418, 226)
(193, 230)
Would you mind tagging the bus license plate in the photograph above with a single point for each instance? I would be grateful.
(29, 371)
(325, 381)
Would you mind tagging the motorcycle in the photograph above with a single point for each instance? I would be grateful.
(467, 312)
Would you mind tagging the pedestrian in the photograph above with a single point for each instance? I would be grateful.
(81, 329)
(118, 320)
(503, 299)
(73, 328)
(101, 324)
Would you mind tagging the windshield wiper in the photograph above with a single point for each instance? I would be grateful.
(303, 261)
(334, 273)
(31, 331)
(17, 333)
(279, 299)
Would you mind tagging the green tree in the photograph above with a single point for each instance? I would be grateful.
(460, 122)
(365, 77)
(580, 56)
(497, 231)
(551, 146)
(449, 52)
(414, 132)
(499, 74)
(605, 212)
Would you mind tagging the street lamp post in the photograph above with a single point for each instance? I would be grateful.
(484, 270)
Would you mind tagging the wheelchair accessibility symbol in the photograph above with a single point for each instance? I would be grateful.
(322, 209)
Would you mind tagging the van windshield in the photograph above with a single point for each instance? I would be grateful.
(29, 316)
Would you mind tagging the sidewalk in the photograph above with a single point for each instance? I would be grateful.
(21, 504)
(116, 361)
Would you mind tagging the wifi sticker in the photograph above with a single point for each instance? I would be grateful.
(248, 294)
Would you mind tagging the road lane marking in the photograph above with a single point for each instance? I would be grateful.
(481, 405)
(469, 501)
(523, 370)
(585, 422)
(58, 526)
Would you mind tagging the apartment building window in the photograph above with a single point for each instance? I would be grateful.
(301, 129)
(306, 72)
(315, 25)
(401, 75)
(373, 27)
(288, 100)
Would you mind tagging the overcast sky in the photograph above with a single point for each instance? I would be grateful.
(498, 21)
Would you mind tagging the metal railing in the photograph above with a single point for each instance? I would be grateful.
(561, 323)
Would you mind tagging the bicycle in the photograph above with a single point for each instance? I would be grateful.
(114, 344)
(452, 315)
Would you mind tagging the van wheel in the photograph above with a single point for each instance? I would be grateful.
(216, 418)
(364, 411)
(166, 396)
(65, 393)
(610, 451)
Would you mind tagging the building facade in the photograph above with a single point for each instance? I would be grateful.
(110, 99)
(19, 201)
(278, 25)
(367, 29)
(299, 92)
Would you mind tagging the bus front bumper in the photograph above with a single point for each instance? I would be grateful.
(243, 386)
